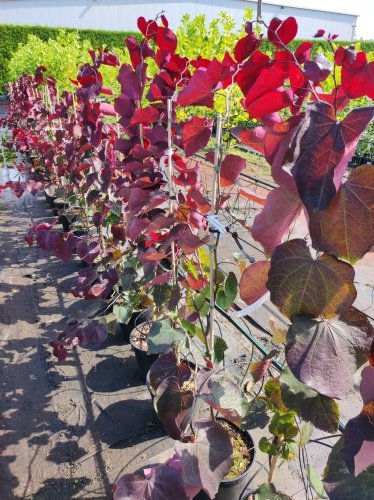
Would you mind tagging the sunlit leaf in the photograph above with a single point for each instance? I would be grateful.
(299, 284)
(345, 228)
(321, 411)
(324, 354)
(162, 336)
(207, 460)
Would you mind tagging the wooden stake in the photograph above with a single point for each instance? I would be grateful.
(212, 240)
(170, 174)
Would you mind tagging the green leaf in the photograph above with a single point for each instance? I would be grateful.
(161, 294)
(315, 482)
(193, 330)
(267, 446)
(191, 268)
(268, 492)
(220, 347)
(283, 425)
(273, 393)
(117, 208)
(321, 411)
(110, 321)
(305, 432)
(255, 415)
(222, 392)
(123, 313)
(289, 450)
(162, 336)
(128, 277)
(200, 304)
(227, 294)
(204, 258)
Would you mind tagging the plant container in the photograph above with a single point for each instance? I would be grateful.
(152, 392)
(125, 329)
(138, 341)
(49, 199)
(232, 489)
(59, 204)
(66, 221)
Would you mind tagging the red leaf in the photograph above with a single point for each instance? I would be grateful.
(258, 369)
(344, 229)
(247, 45)
(270, 79)
(107, 109)
(196, 134)
(231, 168)
(253, 281)
(166, 39)
(141, 200)
(272, 224)
(146, 116)
(317, 70)
(282, 32)
(198, 91)
(201, 201)
(253, 196)
(250, 70)
(358, 77)
(303, 52)
(254, 138)
(319, 33)
(147, 28)
(269, 103)
(325, 147)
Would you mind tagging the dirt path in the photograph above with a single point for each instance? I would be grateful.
(69, 429)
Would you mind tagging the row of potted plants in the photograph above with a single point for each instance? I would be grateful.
(147, 218)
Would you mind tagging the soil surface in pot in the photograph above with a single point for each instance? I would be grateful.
(139, 336)
(243, 450)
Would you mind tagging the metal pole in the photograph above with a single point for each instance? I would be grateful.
(259, 10)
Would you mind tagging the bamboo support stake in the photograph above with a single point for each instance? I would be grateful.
(170, 174)
(138, 106)
(212, 241)
(50, 107)
(74, 105)
(57, 99)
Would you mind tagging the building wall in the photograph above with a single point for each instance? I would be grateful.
(122, 14)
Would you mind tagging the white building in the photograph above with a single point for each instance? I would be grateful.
(122, 14)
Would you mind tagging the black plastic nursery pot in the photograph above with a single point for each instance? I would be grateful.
(143, 359)
(59, 204)
(49, 199)
(232, 489)
(152, 392)
(67, 221)
(125, 329)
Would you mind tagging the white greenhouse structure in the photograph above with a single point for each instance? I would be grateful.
(122, 14)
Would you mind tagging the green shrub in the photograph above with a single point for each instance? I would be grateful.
(198, 38)
(62, 56)
(12, 36)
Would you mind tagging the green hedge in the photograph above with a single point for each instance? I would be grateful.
(12, 35)
(321, 45)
